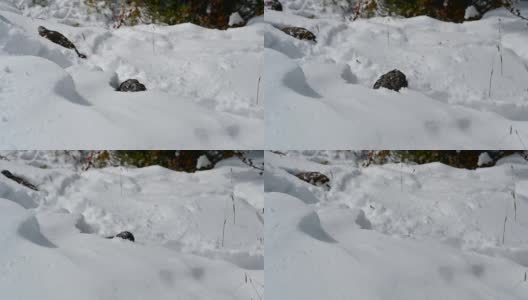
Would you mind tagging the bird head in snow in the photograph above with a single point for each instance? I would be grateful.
(42, 30)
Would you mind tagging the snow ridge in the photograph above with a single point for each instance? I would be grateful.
(395, 231)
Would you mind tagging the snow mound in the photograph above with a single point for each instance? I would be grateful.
(398, 232)
(201, 86)
(316, 89)
(197, 235)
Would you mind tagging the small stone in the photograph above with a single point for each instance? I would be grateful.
(126, 235)
(314, 178)
(131, 85)
(300, 33)
(394, 80)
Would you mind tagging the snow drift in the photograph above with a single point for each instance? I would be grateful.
(321, 93)
(201, 85)
(53, 244)
(396, 231)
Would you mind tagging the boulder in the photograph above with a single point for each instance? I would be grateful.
(394, 80)
(131, 85)
(300, 33)
(314, 178)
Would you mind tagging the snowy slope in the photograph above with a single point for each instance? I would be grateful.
(321, 93)
(396, 231)
(53, 247)
(201, 85)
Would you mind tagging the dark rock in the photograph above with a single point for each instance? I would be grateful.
(273, 5)
(394, 80)
(300, 33)
(131, 85)
(314, 178)
(7, 174)
(19, 180)
(126, 235)
(59, 39)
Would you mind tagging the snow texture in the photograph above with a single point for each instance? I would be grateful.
(53, 245)
(396, 231)
(201, 83)
(321, 94)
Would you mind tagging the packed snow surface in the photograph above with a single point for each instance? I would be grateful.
(395, 231)
(321, 93)
(201, 83)
(53, 245)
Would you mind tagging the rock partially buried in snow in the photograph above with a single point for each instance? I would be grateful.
(126, 235)
(300, 33)
(273, 5)
(131, 85)
(394, 80)
(19, 180)
(59, 39)
(314, 178)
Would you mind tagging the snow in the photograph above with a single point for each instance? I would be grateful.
(484, 159)
(321, 94)
(69, 12)
(395, 231)
(313, 8)
(201, 83)
(235, 19)
(203, 162)
(53, 243)
(471, 12)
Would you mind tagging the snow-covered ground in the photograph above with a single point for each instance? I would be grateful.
(53, 245)
(395, 231)
(201, 83)
(321, 93)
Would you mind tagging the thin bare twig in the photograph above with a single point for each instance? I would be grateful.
(520, 139)
(234, 209)
(258, 89)
(223, 231)
(249, 279)
(500, 45)
(504, 228)
(249, 162)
